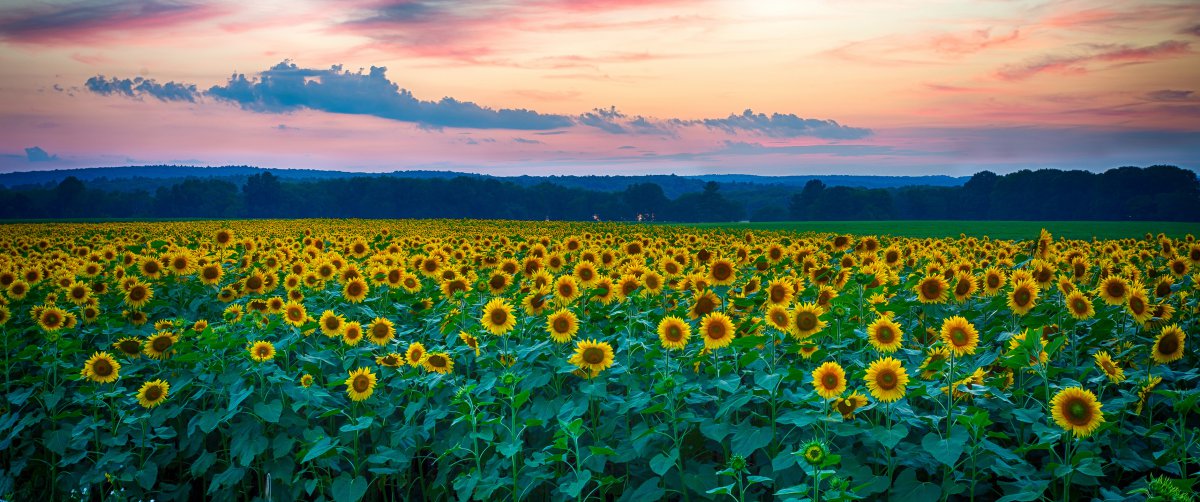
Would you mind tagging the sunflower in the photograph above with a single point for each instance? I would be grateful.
(932, 289)
(562, 325)
(261, 351)
(885, 335)
(964, 286)
(1019, 339)
(79, 293)
(721, 272)
(438, 362)
(933, 361)
(703, 303)
(585, 271)
(306, 380)
(779, 292)
(814, 452)
(130, 346)
(673, 333)
(1110, 368)
(52, 319)
(361, 384)
(566, 289)
(1079, 305)
(829, 380)
(1168, 346)
(807, 350)
(294, 314)
(381, 331)
(332, 324)
(607, 291)
(779, 318)
(806, 321)
(592, 356)
(390, 360)
(1113, 290)
(1138, 305)
(470, 340)
(18, 289)
(1023, 297)
(153, 393)
(158, 345)
(717, 329)
(993, 280)
(415, 353)
(352, 333)
(1144, 392)
(355, 290)
(1077, 411)
(886, 379)
(497, 316)
(102, 368)
(960, 336)
(849, 404)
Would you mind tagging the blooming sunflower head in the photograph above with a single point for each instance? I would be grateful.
(562, 325)
(1168, 346)
(261, 351)
(497, 316)
(829, 380)
(360, 384)
(887, 380)
(1077, 411)
(673, 333)
(153, 393)
(885, 335)
(960, 336)
(101, 368)
(592, 356)
(438, 362)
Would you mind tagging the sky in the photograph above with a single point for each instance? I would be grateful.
(510, 87)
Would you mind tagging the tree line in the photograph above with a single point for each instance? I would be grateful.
(1129, 193)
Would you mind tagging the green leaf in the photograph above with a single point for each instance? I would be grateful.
(947, 450)
(906, 487)
(509, 448)
(721, 490)
(148, 475)
(269, 411)
(578, 481)
(520, 399)
(648, 490)
(748, 438)
(663, 462)
(602, 450)
(347, 488)
(890, 438)
(318, 449)
(358, 425)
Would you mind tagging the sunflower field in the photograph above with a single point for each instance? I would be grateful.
(493, 360)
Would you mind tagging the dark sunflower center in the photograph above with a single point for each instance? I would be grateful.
(161, 343)
(179, 263)
(993, 281)
(294, 314)
(778, 294)
(716, 330)
(886, 380)
(593, 355)
(136, 294)
(153, 393)
(885, 335)
(561, 325)
(129, 347)
(354, 289)
(379, 330)
(210, 272)
(437, 361)
(1168, 344)
(498, 316)
(704, 305)
(361, 383)
(779, 318)
(332, 323)
(1079, 305)
(102, 368)
(264, 351)
(51, 319)
(722, 271)
(352, 334)
(961, 288)
(829, 380)
(931, 289)
(566, 290)
(1021, 297)
(1137, 305)
(958, 336)
(1108, 367)
(806, 321)
(1078, 412)
(1115, 289)
(586, 274)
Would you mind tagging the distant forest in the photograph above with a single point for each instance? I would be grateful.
(1165, 193)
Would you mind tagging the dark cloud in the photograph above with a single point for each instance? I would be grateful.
(527, 141)
(1093, 53)
(744, 148)
(138, 87)
(84, 20)
(779, 125)
(36, 154)
(613, 121)
(1169, 95)
(287, 87)
(1191, 30)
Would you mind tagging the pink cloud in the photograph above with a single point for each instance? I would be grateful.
(91, 24)
(1079, 63)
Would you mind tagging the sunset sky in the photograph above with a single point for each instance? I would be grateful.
(510, 87)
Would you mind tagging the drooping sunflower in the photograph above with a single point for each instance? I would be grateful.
(470, 341)
(829, 380)
(381, 331)
(1113, 290)
(1168, 346)
(261, 351)
(390, 360)
(1111, 369)
(960, 336)
(885, 334)
(438, 362)
(887, 380)
(932, 289)
(704, 303)
(1023, 297)
(497, 316)
(130, 346)
(562, 325)
(158, 345)
(1144, 392)
(415, 353)
(332, 324)
(294, 314)
(721, 272)
(717, 329)
(1138, 304)
(352, 333)
(361, 384)
(806, 321)
(1077, 411)
(355, 290)
(592, 356)
(153, 393)
(102, 368)
(1042, 356)
(52, 319)
(1079, 305)
(779, 318)
(849, 404)
(673, 333)
(964, 286)
(934, 359)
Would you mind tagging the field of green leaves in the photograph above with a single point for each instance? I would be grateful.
(495, 360)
